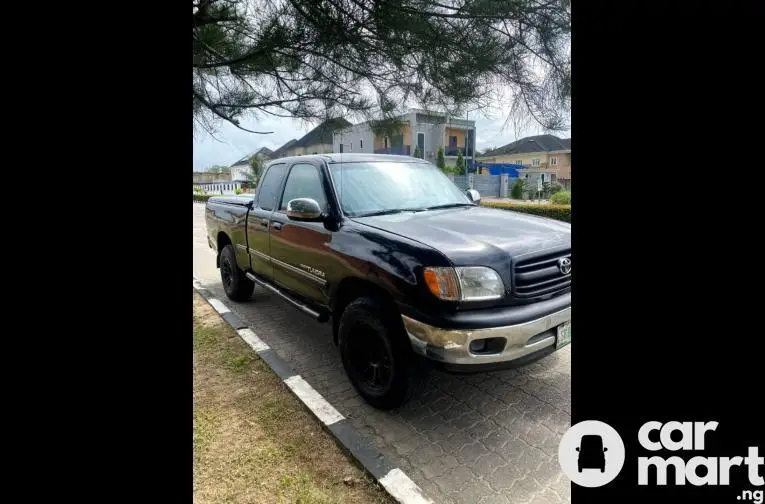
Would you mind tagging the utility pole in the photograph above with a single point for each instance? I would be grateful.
(472, 156)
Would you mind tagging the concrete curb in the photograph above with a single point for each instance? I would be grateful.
(391, 478)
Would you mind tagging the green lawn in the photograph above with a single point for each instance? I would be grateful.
(253, 440)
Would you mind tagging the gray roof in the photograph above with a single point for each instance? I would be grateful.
(280, 151)
(263, 151)
(539, 143)
(321, 134)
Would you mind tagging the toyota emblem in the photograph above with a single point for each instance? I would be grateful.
(564, 265)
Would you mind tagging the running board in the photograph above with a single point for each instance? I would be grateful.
(297, 304)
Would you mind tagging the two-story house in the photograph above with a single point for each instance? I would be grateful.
(538, 154)
(241, 169)
(428, 130)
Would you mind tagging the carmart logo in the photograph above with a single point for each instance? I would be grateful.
(591, 454)
(692, 437)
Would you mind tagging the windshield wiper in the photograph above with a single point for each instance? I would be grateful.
(449, 205)
(389, 212)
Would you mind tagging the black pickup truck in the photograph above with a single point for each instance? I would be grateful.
(411, 271)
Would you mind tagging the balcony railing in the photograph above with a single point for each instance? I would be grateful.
(453, 151)
(540, 166)
(401, 150)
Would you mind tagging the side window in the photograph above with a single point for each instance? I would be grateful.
(304, 181)
(269, 188)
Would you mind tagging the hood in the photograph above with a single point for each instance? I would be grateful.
(476, 235)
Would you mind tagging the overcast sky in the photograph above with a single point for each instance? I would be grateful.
(233, 144)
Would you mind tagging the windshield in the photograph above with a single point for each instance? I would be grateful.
(387, 186)
(592, 443)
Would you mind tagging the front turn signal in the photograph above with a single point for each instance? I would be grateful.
(443, 283)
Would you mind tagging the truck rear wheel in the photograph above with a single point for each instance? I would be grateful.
(237, 286)
(377, 355)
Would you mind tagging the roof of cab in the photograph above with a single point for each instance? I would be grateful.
(350, 157)
(241, 200)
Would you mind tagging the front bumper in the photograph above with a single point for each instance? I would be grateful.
(452, 347)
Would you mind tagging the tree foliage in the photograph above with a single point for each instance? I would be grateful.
(387, 127)
(460, 163)
(256, 170)
(440, 161)
(517, 190)
(315, 59)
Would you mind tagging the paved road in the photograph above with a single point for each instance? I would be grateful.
(487, 438)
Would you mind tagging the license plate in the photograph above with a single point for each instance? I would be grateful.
(564, 335)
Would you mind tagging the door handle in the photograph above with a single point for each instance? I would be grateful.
(276, 226)
(264, 223)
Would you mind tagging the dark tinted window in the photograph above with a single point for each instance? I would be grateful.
(304, 181)
(269, 188)
(592, 443)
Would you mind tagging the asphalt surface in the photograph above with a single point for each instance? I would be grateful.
(484, 438)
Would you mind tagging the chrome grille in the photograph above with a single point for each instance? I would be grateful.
(540, 275)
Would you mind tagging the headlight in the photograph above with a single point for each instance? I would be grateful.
(468, 283)
(479, 283)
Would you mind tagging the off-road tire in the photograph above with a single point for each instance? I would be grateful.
(236, 285)
(367, 317)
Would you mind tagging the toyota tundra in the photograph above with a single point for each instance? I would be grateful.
(411, 272)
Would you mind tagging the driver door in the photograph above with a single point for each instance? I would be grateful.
(300, 251)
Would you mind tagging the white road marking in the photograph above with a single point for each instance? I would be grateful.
(315, 401)
(402, 488)
(219, 306)
(252, 339)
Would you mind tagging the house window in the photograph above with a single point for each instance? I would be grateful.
(554, 160)
(341, 148)
(535, 162)
(453, 141)
(361, 144)
(519, 162)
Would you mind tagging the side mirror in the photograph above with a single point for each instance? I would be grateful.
(605, 449)
(303, 209)
(473, 196)
(577, 448)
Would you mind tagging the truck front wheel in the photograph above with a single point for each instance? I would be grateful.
(237, 286)
(377, 355)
